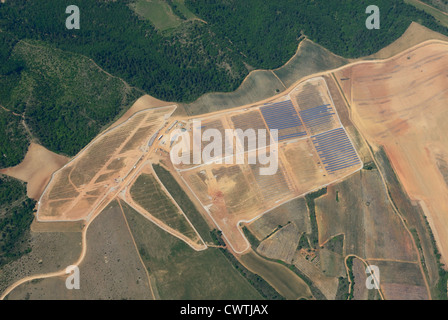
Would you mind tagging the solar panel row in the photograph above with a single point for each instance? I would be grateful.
(335, 149)
(283, 116)
(317, 118)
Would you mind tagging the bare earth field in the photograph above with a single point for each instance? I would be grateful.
(364, 215)
(99, 170)
(36, 169)
(401, 104)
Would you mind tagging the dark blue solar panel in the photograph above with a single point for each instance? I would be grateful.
(317, 116)
(281, 116)
(335, 150)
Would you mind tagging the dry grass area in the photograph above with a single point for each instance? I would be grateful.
(282, 244)
(97, 171)
(108, 271)
(50, 252)
(360, 291)
(235, 193)
(303, 166)
(294, 211)
(148, 196)
(179, 272)
(36, 169)
(359, 208)
(401, 104)
(144, 102)
(327, 285)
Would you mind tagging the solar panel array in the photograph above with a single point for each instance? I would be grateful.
(335, 150)
(333, 146)
(318, 119)
(283, 117)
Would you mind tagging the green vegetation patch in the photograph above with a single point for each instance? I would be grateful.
(314, 236)
(303, 242)
(148, 193)
(178, 66)
(442, 5)
(181, 10)
(343, 289)
(203, 57)
(351, 277)
(337, 25)
(16, 215)
(431, 8)
(369, 166)
(184, 202)
(15, 140)
(336, 244)
(254, 242)
(159, 12)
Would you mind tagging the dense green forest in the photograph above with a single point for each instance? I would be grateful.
(267, 31)
(64, 98)
(16, 215)
(15, 141)
(180, 66)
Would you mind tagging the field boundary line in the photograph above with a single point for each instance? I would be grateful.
(136, 249)
(160, 224)
(176, 204)
(285, 87)
(366, 264)
(332, 237)
(432, 7)
(392, 260)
